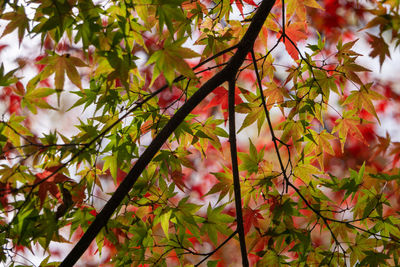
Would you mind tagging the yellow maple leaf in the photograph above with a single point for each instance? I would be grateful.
(363, 99)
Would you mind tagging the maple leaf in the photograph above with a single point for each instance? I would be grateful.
(178, 178)
(255, 113)
(295, 32)
(221, 98)
(18, 20)
(61, 65)
(325, 83)
(172, 57)
(350, 69)
(292, 130)
(36, 98)
(239, 4)
(382, 146)
(379, 48)
(224, 186)
(305, 171)
(275, 95)
(348, 124)
(363, 99)
(321, 145)
(7, 78)
(49, 184)
(250, 218)
(299, 7)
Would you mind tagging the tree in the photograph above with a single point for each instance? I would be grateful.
(154, 172)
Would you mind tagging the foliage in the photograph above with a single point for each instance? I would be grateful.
(153, 170)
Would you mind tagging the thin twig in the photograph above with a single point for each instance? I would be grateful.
(274, 139)
(217, 248)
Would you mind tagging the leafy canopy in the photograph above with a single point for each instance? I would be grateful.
(183, 131)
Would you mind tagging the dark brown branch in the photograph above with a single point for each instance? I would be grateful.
(229, 71)
(235, 172)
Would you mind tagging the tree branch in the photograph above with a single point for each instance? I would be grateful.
(285, 176)
(235, 172)
(271, 129)
(229, 71)
(217, 248)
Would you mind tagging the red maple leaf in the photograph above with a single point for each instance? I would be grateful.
(239, 4)
(48, 183)
(294, 32)
(221, 98)
(250, 218)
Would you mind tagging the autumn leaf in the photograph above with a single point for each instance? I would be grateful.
(7, 78)
(275, 95)
(292, 130)
(239, 4)
(250, 218)
(37, 98)
(224, 186)
(18, 20)
(325, 83)
(320, 144)
(165, 136)
(250, 161)
(61, 65)
(382, 146)
(305, 171)
(379, 48)
(171, 58)
(48, 183)
(348, 124)
(363, 99)
(295, 32)
(298, 7)
(221, 99)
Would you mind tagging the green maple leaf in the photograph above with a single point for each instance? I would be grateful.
(374, 258)
(171, 58)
